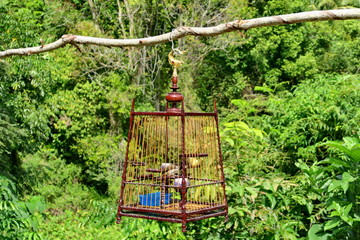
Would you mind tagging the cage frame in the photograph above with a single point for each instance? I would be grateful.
(183, 216)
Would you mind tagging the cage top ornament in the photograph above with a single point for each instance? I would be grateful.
(173, 168)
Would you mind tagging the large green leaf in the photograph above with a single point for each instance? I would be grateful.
(351, 151)
(36, 204)
(316, 233)
(335, 161)
(332, 223)
(334, 185)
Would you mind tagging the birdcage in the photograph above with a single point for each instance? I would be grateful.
(173, 167)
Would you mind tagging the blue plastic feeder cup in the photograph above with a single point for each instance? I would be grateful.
(153, 199)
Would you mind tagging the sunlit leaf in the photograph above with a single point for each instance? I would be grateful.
(331, 224)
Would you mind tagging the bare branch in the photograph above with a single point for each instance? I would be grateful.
(120, 19)
(180, 32)
(94, 13)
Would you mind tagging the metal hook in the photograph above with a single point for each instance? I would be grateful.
(171, 39)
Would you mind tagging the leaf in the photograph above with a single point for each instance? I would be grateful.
(335, 206)
(347, 210)
(303, 166)
(272, 200)
(309, 207)
(231, 210)
(350, 141)
(315, 233)
(346, 179)
(263, 89)
(339, 146)
(345, 186)
(230, 141)
(336, 161)
(334, 184)
(343, 212)
(331, 224)
(228, 225)
(259, 133)
(353, 152)
(241, 191)
(239, 102)
(253, 191)
(36, 204)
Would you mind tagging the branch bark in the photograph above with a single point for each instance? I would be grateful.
(181, 32)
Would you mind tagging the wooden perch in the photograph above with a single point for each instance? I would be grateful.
(180, 32)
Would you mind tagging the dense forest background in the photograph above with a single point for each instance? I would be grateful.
(289, 99)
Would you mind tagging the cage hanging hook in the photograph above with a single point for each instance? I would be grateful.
(174, 49)
(174, 62)
(171, 38)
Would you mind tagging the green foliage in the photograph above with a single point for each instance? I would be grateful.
(48, 175)
(242, 144)
(19, 220)
(334, 184)
(325, 108)
(103, 157)
(97, 222)
(16, 16)
(13, 138)
(270, 207)
(84, 123)
(265, 207)
(215, 77)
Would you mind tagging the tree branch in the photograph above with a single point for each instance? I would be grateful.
(181, 32)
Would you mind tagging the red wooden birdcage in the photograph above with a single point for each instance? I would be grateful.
(173, 168)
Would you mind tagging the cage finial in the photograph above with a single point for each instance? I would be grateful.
(174, 62)
(174, 97)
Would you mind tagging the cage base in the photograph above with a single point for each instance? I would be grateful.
(183, 219)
